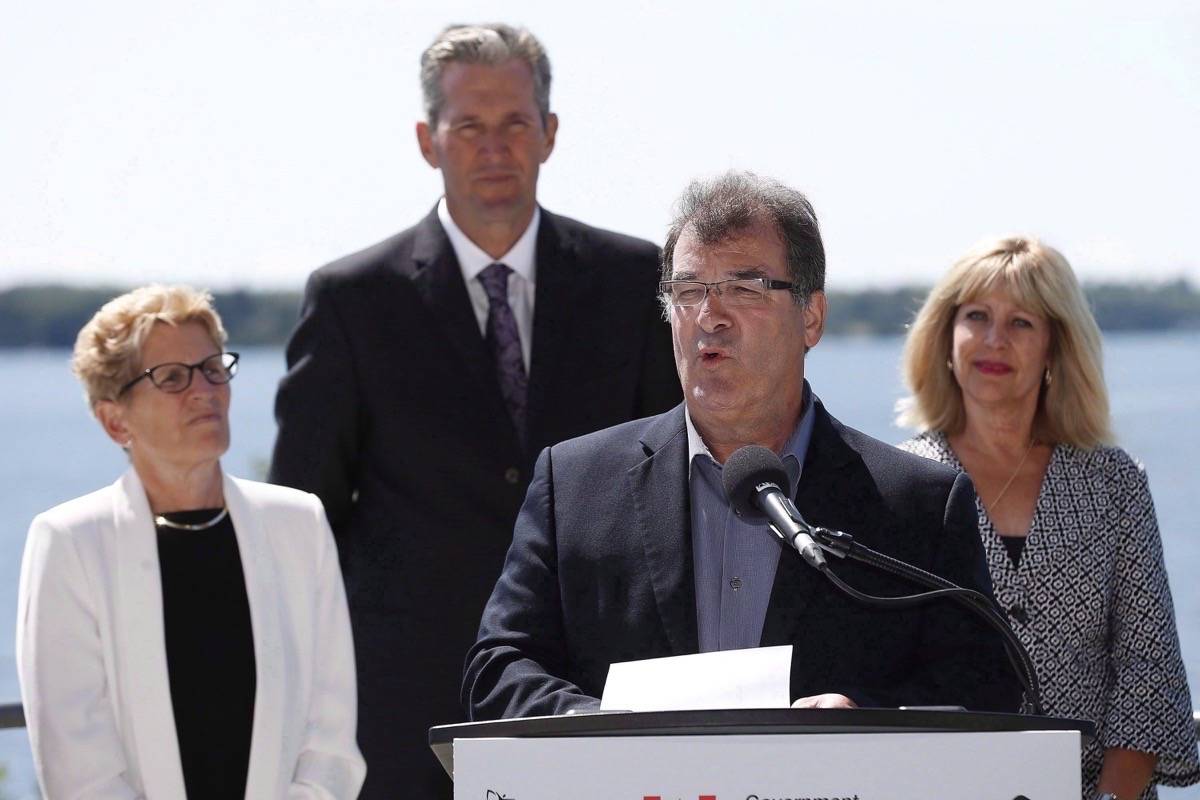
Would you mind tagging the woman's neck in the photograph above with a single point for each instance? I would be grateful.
(996, 431)
(172, 488)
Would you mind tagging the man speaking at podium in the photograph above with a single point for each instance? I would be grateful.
(627, 549)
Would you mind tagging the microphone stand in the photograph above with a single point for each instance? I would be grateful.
(843, 545)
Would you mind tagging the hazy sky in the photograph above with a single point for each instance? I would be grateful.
(234, 142)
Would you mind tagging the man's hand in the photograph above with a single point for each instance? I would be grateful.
(825, 701)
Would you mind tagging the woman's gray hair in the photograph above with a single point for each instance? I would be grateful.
(492, 45)
(108, 350)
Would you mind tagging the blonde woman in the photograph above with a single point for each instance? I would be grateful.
(182, 633)
(1004, 366)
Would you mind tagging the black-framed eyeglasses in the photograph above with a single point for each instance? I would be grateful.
(174, 377)
(733, 292)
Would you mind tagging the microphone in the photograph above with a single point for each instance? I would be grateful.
(752, 478)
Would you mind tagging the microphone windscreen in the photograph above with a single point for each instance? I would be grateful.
(747, 468)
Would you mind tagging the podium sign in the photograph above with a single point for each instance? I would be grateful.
(1005, 765)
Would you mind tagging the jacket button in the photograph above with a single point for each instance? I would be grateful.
(1018, 613)
(512, 475)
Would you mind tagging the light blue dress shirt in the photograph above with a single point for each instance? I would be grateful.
(734, 561)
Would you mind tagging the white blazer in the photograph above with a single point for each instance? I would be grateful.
(92, 660)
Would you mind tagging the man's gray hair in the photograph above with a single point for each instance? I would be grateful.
(720, 208)
(492, 45)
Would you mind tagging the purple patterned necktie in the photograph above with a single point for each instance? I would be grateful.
(505, 343)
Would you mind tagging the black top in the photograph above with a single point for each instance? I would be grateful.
(756, 721)
(1015, 545)
(210, 653)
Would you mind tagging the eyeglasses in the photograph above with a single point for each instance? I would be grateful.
(174, 377)
(733, 292)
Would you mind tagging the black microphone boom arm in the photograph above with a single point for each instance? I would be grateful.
(842, 544)
(752, 477)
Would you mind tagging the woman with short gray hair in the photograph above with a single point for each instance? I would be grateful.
(182, 633)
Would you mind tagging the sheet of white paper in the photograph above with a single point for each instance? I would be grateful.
(759, 677)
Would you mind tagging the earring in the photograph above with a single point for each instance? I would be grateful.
(949, 365)
(1047, 377)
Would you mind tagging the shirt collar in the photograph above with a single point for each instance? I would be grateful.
(696, 445)
(796, 446)
(473, 260)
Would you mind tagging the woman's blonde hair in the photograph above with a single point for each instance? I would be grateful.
(1073, 405)
(108, 349)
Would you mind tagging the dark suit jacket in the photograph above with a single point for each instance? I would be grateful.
(600, 571)
(392, 414)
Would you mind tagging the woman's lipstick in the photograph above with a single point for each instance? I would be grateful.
(993, 367)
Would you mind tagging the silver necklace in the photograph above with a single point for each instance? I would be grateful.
(163, 522)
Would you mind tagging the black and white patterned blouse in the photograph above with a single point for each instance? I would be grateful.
(1090, 602)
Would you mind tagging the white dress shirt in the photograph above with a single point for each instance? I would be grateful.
(521, 259)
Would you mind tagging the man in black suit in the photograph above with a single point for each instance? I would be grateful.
(427, 372)
(626, 548)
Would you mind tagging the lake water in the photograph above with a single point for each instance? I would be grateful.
(57, 451)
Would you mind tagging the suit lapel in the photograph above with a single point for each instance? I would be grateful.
(658, 487)
(822, 481)
(263, 594)
(438, 278)
(145, 680)
(563, 289)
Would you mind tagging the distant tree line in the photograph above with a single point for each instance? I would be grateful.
(51, 315)
(1118, 307)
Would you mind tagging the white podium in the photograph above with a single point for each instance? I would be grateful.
(767, 754)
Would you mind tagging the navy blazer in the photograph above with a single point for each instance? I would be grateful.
(391, 413)
(600, 571)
